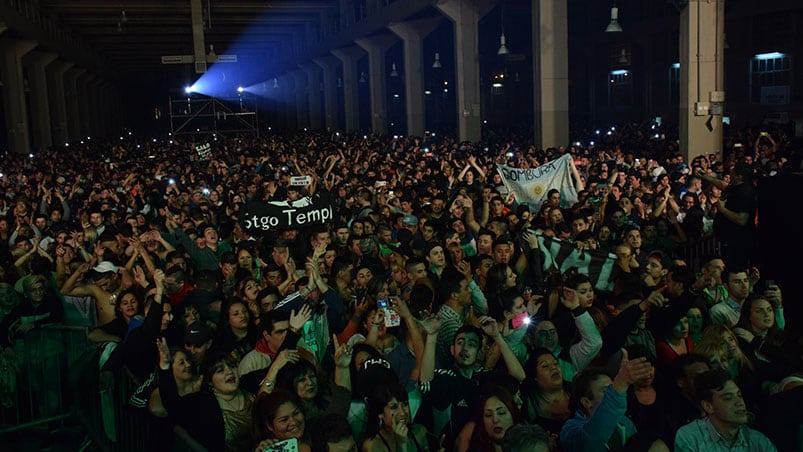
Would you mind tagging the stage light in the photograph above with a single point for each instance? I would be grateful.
(240, 89)
(188, 89)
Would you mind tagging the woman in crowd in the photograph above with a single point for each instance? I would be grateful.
(390, 426)
(187, 382)
(721, 346)
(315, 393)
(773, 352)
(495, 413)
(219, 415)
(278, 416)
(248, 292)
(675, 344)
(237, 334)
(247, 262)
(546, 396)
(500, 277)
(126, 308)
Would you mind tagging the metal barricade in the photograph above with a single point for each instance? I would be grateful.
(695, 252)
(56, 386)
(38, 393)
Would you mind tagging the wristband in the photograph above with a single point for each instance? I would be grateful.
(578, 311)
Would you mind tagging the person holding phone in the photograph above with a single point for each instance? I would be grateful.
(279, 423)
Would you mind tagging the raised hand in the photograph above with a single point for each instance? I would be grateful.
(285, 357)
(489, 326)
(431, 325)
(342, 353)
(570, 298)
(139, 276)
(400, 427)
(631, 371)
(164, 353)
(297, 320)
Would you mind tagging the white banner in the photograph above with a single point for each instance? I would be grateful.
(531, 185)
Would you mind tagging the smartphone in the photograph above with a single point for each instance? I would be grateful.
(769, 283)
(520, 320)
(382, 303)
(287, 445)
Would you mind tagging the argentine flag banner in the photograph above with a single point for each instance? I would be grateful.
(531, 185)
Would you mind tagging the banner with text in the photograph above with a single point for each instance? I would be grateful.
(262, 216)
(531, 185)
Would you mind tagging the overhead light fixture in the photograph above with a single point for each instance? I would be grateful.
(240, 89)
(339, 82)
(212, 56)
(437, 63)
(275, 82)
(119, 27)
(614, 26)
(124, 18)
(502, 47)
(363, 77)
(393, 72)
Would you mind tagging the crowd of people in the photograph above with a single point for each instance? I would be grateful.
(422, 316)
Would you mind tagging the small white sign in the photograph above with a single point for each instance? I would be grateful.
(300, 180)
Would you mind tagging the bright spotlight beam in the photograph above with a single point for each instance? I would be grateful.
(188, 89)
(240, 89)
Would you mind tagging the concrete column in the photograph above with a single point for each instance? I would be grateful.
(97, 106)
(58, 104)
(286, 98)
(413, 34)
(84, 108)
(36, 63)
(331, 111)
(16, 112)
(300, 101)
(702, 38)
(376, 46)
(313, 72)
(551, 70)
(351, 93)
(72, 98)
(466, 16)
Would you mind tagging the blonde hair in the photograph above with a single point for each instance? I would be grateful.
(711, 346)
(90, 235)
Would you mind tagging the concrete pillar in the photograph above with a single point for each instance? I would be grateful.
(84, 109)
(97, 106)
(300, 101)
(413, 34)
(376, 46)
(58, 105)
(72, 98)
(331, 111)
(702, 38)
(466, 16)
(313, 72)
(551, 70)
(351, 93)
(36, 62)
(16, 112)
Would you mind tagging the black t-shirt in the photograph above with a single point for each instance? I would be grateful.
(740, 199)
(449, 386)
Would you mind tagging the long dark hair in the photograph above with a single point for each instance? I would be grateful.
(377, 400)
(264, 412)
(286, 380)
(480, 441)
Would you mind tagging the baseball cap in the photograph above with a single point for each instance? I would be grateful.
(105, 267)
(198, 333)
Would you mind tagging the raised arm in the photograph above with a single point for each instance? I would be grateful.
(514, 367)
